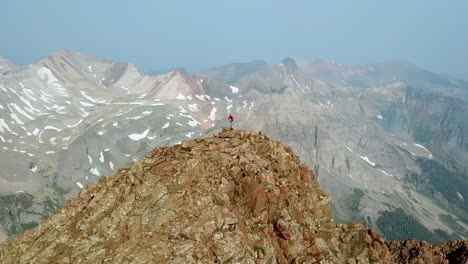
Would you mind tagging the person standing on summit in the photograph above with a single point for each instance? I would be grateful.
(231, 120)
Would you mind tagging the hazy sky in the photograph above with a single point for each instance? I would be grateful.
(205, 33)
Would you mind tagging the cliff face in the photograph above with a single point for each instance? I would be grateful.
(237, 197)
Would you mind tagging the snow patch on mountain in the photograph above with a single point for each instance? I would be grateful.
(193, 123)
(53, 141)
(30, 94)
(297, 83)
(15, 117)
(35, 132)
(234, 89)
(366, 159)
(46, 74)
(429, 154)
(94, 100)
(76, 124)
(193, 107)
(130, 103)
(212, 115)
(328, 105)
(52, 128)
(386, 173)
(180, 97)
(421, 146)
(95, 172)
(4, 125)
(182, 110)
(29, 105)
(141, 136)
(86, 104)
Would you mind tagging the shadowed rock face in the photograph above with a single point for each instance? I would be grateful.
(237, 197)
(414, 251)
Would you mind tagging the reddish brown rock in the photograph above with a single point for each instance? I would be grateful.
(233, 198)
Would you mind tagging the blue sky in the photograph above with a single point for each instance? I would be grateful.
(205, 33)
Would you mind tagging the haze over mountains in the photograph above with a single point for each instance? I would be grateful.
(388, 141)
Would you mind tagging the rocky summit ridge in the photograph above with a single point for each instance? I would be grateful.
(235, 197)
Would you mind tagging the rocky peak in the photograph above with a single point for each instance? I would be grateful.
(76, 56)
(73, 67)
(181, 71)
(234, 197)
(290, 64)
(179, 82)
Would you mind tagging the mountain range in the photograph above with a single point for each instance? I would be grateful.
(387, 141)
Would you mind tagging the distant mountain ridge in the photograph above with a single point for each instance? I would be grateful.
(235, 71)
(372, 75)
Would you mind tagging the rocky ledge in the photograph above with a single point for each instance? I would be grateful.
(237, 197)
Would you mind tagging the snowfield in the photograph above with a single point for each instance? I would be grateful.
(141, 136)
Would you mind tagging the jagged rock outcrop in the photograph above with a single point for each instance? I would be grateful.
(236, 197)
(421, 252)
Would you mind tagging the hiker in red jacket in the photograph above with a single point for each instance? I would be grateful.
(231, 119)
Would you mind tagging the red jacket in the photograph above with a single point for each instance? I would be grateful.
(231, 118)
